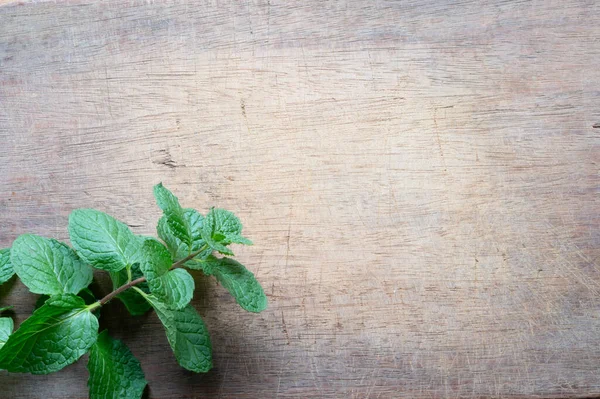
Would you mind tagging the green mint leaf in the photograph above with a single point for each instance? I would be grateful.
(135, 303)
(6, 328)
(56, 335)
(175, 288)
(239, 281)
(47, 266)
(155, 259)
(173, 212)
(86, 294)
(180, 249)
(103, 241)
(114, 372)
(5, 308)
(221, 228)
(67, 301)
(177, 248)
(187, 335)
(6, 269)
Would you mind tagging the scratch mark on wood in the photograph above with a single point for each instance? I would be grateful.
(164, 158)
(108, 99)
(439, 141)
(285, 330)
(289, 234)
(224, 379)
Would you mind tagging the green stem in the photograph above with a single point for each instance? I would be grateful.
(142, 293)
(137, 281)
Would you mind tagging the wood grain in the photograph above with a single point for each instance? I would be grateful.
(420, 179)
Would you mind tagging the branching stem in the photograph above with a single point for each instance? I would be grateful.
(137, 281)
(122, 288)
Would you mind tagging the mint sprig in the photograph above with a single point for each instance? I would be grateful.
(146, 274)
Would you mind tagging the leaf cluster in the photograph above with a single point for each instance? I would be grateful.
(147, 274)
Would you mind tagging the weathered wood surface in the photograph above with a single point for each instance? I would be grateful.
(420, 179)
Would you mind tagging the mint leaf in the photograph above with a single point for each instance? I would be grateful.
(67, 301)
(173, 287)
(5, 308)
(177, 248)
(135, 303)
(114, 372)
(56, 335)
(6, 269)
(180, 249)
(102, 240)
(47, 266)
(6, 328)
(221, 228)
(239, 281)
(173, 212)
(187, 336)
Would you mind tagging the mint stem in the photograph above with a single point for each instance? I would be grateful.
(137, 281)
(122, 288)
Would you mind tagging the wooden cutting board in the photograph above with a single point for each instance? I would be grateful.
(420, 179)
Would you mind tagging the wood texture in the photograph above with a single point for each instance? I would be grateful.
(420, 179)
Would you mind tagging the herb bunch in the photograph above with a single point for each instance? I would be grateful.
(146, 274)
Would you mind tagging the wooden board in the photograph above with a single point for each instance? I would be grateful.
(420, 179)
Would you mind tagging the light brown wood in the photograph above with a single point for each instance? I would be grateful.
(420, 180)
